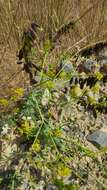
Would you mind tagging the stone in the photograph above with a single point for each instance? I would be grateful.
(51, 187)
(87, 66)
(99, 138)
(66, 66)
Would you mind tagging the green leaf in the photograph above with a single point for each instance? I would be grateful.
(47, 46)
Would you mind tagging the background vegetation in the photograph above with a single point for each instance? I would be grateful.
(89, 16)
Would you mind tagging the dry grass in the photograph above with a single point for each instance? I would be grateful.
(52, 14)
(90, 19)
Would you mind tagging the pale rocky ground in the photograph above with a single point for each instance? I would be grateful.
(91, 173)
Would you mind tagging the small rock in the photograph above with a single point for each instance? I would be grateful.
(51, 187)
(87, 66)
(99, 138)
(67, 66)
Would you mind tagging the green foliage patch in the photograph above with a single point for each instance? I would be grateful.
(43, 131)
